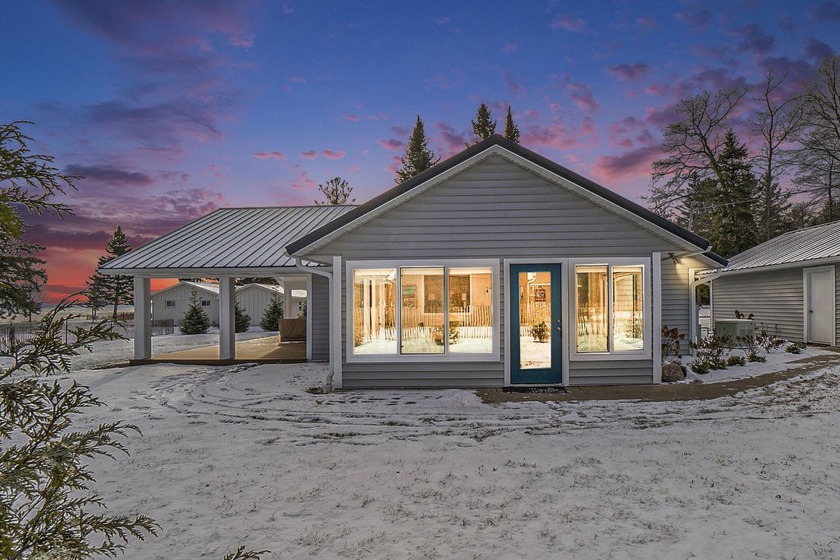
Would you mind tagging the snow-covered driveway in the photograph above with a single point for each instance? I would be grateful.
(236, 455)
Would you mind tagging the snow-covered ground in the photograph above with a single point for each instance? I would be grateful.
(244, 455)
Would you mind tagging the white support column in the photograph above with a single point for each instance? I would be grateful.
(142, 318)
(287, 300)
(335, 324)
(227, 326)
(656, 315)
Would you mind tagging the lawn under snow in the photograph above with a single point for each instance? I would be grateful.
(244, 455)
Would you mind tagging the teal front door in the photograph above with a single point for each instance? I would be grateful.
(535, 324)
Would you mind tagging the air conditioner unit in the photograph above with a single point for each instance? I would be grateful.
(734, 328)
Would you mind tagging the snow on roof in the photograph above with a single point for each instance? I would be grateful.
(801, 246)
(252, 238)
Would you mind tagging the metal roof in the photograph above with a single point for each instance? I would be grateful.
(229, 238)
(815, 243)
(301, 244)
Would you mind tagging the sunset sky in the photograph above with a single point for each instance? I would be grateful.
(170, 109)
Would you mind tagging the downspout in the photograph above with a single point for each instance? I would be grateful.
(328, 385)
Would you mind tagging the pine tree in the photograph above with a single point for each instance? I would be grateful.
(241, 320)
(511, 130)
(336, 191)
(195, 320)
(94, 294)
(484, 125)
(115, 290)
(270, 320)
(418, 157)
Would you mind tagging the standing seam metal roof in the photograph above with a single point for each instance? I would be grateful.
(809, 244)
(230, 238)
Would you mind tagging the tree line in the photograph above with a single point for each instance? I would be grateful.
(783, 176)
(418, 157)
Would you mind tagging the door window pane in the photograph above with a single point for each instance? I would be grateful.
(470, 310)
(591, 298)
(535, 324)
(374, 311)
(422, 310)
(628, 308)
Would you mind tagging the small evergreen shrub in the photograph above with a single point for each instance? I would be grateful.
(700, 366)
(270, 320)
(241, 320)
(736, 361)
(755, 357)
(195, 320)
(795, 348)
(539, 331)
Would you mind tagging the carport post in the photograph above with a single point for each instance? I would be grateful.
(142, 318)
(227, 325)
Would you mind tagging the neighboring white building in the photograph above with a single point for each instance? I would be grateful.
(254, 299)
(173, 302)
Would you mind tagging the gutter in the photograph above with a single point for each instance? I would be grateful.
(328, 384)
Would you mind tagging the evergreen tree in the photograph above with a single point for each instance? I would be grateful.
(49, 507)
(418, 157)
(270, 320)
(115, 290)
(195, 320)
(336, 191)
(484, 125)
(511, 130)
(241, 320)
(94, 294)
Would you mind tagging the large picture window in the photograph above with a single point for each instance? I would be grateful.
(610, 308)
(424, 310)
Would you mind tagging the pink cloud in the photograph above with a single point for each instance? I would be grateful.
(310, 155)
(629, 165)
(568, 24)
(583, 97)
(269, 155)
(629, 72)
(754, 39)
(351, 118)
(330, 154)
(443, 20)
(510, 47)
(452, 140)
(297, 79)
(288, 10)
(646, 22)
(392, 144)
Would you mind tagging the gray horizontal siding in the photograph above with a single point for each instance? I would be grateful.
(837, 304)
(611, 372)
(498, 210)
(319, 307)
(437, 375)
(775, 298)
(495, 209)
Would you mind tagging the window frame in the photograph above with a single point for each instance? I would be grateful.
(170, 303)
(646, 351)
(447, 264)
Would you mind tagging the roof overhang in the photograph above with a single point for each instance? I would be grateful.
(783, 266)
(203, 272)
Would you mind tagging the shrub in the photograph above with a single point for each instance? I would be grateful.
(769, 340)
(195, 320)
(700, 366)
(755, 357)
(711, 349)
(241, 320)
(736, 361)
(539, 331)
(671, 344)
(270, 319)
(795, 348)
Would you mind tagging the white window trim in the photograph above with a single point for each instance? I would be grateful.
(806, 288)
(646, 351)
(352, 266)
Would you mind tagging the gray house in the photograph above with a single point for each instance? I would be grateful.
(496, 267)
(791, 282)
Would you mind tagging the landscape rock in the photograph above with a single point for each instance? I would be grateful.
(672, 372)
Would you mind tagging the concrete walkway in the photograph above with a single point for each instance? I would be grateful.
(667, 391)
(265, 349)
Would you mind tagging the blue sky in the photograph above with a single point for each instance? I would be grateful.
(171, 109)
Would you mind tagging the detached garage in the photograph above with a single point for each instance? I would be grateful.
(790, 282)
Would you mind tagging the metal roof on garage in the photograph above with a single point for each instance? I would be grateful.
(817, 243)
(229, 238)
